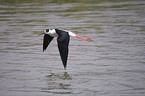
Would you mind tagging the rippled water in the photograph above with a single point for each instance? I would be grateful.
(112, 65)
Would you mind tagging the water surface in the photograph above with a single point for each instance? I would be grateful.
(112, 65)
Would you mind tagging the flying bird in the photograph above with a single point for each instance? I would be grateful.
(63, 38)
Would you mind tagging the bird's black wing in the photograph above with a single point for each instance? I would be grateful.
(46, 40)
(63, 42)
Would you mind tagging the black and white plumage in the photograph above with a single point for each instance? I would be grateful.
(63, 38)
(62, 41)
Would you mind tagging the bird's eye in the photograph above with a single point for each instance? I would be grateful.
(47, 30)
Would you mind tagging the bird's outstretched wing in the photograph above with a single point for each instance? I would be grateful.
(63, 42)
(46, 40)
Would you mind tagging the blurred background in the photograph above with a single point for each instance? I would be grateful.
(111, 65)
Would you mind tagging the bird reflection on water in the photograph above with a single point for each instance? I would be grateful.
(64, 76)
(56, 82)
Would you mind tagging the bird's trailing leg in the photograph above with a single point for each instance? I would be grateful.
(86, 39)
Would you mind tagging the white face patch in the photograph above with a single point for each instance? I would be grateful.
(51, 32)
